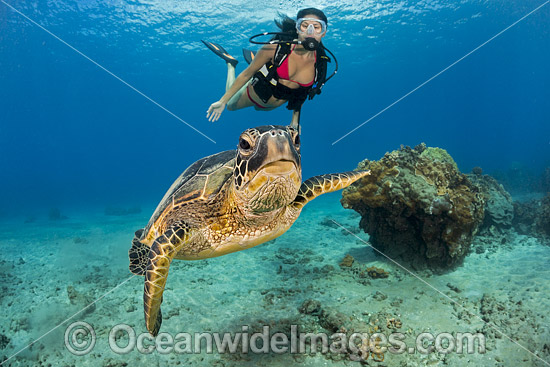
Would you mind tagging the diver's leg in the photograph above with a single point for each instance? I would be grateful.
(230, 76)
(244, 98)
(239, 100)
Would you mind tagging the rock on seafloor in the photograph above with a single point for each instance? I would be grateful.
(417, 206)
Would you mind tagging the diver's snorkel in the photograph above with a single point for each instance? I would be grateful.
(309, 43)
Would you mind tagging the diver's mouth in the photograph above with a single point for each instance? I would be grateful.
(279, 167)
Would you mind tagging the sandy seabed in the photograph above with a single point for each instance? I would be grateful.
(50, 270)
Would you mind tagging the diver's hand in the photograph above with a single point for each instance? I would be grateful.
(214, 111)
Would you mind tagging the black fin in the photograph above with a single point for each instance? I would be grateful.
(138, 254)
(220, 51)
(248, 55)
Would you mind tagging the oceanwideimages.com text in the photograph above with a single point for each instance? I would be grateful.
(80, 339)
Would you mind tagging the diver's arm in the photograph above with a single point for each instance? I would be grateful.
(295, 123)
(262, 57)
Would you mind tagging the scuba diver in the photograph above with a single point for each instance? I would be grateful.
(289, 68)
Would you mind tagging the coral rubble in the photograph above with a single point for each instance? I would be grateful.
(499, 207)
(376, 273)
(370, 348)
(477, 171)
(347, 261)
(417, 206)
(509, 316)
(533, 217)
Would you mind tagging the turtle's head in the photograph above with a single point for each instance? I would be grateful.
(268, 172)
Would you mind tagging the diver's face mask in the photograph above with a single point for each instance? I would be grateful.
(311, 29)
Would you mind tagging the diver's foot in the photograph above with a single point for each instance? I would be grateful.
(248, 55)
(220, 51)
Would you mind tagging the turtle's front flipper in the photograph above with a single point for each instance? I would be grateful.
(162, 252)
(319, 185)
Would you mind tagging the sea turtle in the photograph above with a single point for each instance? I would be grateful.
(224, 203)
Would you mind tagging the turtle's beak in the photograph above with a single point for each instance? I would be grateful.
(282, 167)
(274, 172)
(275, 154)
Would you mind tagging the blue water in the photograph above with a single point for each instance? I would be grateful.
(71, 134)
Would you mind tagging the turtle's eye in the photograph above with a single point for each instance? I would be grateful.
(297, 140)
(244, 144)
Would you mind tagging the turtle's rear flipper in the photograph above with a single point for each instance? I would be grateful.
(159, 258)
(138, 254)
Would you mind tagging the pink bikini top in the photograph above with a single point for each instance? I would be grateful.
(283, 73)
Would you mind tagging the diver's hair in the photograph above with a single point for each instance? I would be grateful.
(312, 11)
(288, 25)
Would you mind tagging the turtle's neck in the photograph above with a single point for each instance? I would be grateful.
(249, 217)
